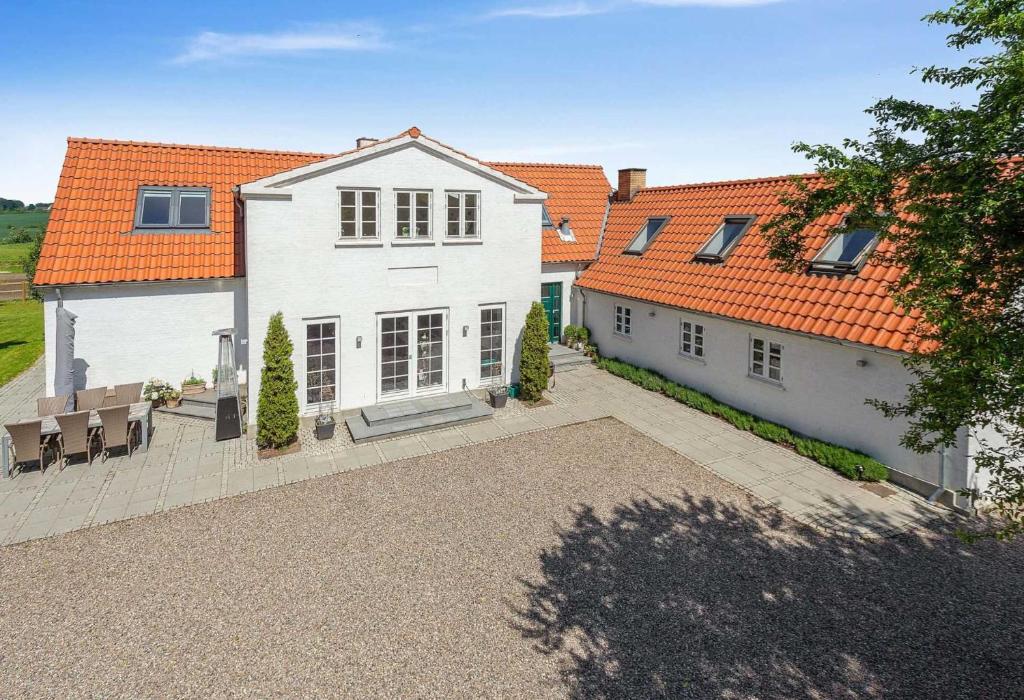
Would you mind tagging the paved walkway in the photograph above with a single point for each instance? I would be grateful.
(185, 465)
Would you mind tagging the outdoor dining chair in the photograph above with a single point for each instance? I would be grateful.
(75, 436)
(27, 443)
(128, 394)
(90, 399)
(116, 430)
(52, 405)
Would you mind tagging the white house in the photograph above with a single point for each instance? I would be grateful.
(403, 268)
(683, 285)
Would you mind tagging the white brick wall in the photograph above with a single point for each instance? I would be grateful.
(132, 332)
(823, 389)
(294, 266)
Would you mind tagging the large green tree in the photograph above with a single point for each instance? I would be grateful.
(945, 187)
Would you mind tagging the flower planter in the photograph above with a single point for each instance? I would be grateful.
(187, 389)
(325, 431)
(498, 398)
(172, 403)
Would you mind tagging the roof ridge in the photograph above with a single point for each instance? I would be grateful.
(588, 166)
(195, 147)
(731, 183)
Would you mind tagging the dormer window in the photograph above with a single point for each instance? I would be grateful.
(845, 251)
(724, 239)
(648, 232)
(173, 208)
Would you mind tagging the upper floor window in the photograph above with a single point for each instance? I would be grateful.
(463, 214)
(359, 214)
(173, 207)
(691, 339)
(725, 238)
(623, 320)
(845, 251)
(646, 234)
(766, 360)
(412, 214)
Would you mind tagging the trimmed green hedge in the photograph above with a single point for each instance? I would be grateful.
(841, 459)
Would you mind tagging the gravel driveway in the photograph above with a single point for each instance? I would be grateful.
(580, 561)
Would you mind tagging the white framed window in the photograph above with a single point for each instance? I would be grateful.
(766, 359)
(359, 213)
(173, 207)
(462, 214)
(492, 343)
(623, 320)
(321, 362)
(412, 213)
(691, 339)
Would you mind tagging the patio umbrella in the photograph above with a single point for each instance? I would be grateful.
(64, 355)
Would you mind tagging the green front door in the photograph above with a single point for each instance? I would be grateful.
(551, 298)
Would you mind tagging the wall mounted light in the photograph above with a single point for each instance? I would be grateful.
(651, 314)
(465, 331)
(359, 341)
(862, 363)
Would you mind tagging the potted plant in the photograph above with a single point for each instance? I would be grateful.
(569, 335)
(193, 385)
(172, 399)
(157, 391)
(582, 337)
(498, 396)
(324, 423)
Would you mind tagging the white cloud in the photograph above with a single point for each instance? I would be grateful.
(582, 8)
(212, 46)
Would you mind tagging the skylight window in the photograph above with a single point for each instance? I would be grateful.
(545, 217)
(845, 251)
(646, 235)
(725, 238)
(173, 207)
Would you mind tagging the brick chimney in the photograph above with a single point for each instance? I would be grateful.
(364, 141)
(631, 181)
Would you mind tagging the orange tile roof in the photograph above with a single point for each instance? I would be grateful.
(579, 192)
(88, 238)
(747, 286)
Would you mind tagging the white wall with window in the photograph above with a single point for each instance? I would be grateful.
(691, 339)
(623, 320)
(307, 257)
(492, 344)
(811, 385)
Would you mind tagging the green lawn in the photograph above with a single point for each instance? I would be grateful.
(21, 337)
(12, 255)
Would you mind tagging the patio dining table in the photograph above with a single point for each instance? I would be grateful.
(141, 411)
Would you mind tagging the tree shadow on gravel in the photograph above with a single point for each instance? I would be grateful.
(696, 598)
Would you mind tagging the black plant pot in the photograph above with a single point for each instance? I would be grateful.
(498, 398)
(325, 431)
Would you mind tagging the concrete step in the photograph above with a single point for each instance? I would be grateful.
(467, 412)
(385, 412)
(196, 410)
(206, 398)
(568, 361)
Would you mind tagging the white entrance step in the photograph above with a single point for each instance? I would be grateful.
(565, 359)
(406, 417)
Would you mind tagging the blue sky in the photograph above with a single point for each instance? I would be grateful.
(693, 90)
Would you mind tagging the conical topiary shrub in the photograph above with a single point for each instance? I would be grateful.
(534, 366)
(277, 415)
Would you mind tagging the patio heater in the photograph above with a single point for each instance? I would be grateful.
(229, 413)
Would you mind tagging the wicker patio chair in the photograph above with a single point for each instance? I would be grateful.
(75, 436)
(128, 394)
(90, 399)
(52, 405)
(28, 443)
(117, 430)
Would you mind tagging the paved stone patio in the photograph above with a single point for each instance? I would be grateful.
(185, 465)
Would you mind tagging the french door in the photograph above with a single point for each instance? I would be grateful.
(413, 358)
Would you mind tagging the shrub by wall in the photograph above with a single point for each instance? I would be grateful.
(849, 463)
(534, 365)
(277, 415)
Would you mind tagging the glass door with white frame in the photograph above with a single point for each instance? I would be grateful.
(412, 354)
(321, 359)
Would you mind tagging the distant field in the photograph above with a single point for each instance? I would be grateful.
(28, 219)
(11, 255)
(21, 337)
